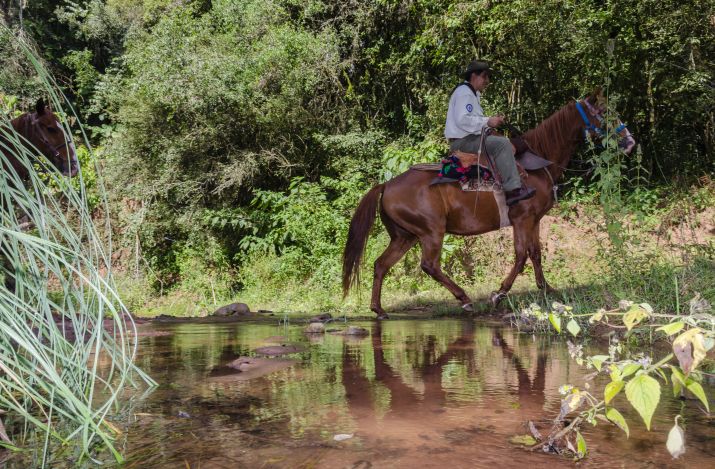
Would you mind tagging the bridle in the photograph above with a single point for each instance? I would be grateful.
(590, 128)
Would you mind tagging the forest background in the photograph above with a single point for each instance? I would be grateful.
(235, 138)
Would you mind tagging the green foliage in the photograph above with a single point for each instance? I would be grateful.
(197, 104)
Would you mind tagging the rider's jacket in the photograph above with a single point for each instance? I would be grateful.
(465, 114)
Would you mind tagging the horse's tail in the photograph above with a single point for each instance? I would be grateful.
(360, 227)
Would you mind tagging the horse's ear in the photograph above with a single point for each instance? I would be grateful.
(40, 107)
(596, 95)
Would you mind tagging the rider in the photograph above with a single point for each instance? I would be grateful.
(465, 120)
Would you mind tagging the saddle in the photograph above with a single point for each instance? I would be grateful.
(478, 172)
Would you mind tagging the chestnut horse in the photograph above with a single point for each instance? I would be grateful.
(32, 133)
(39, 132)
(414, 212)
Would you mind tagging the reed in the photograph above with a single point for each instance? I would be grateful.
(66, 343)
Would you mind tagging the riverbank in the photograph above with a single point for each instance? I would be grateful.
(666, 258)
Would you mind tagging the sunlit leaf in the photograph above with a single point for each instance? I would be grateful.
(643, 392)
(525, 440)
(597, 316)
(555, 321)
(573, 327)
(614, 416)
(598, 360)
(629, 369)
(615, 373)
(672, 328)
(634, 316)
(676, 441)
(580, 445)
(689, 348)
(612, 390)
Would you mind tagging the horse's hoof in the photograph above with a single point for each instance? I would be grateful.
(496, 297)
(382, 316)
(468, 308)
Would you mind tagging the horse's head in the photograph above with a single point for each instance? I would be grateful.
(593, 111)
(47, 135)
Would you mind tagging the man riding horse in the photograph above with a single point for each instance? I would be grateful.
(466, 121)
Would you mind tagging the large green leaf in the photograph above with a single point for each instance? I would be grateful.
(614, 416)
(697, 389)
(643, 392)
(573, 327)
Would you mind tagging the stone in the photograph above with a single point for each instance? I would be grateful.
(354, 330)
(315, 328)
(234, 309)
(325, 317)
(249, 368)
(276, 350)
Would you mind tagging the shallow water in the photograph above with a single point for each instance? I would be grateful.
(443, 393)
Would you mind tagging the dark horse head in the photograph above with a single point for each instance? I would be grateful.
(41, 131)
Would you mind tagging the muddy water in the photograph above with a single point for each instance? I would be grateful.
(412, 394)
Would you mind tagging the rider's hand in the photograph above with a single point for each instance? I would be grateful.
(495, 121)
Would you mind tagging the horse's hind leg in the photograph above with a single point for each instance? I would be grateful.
(431, 249)
(535, 256)
(399, 245)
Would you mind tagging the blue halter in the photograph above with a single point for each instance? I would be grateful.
(589, 125)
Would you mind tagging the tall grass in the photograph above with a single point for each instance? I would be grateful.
(66, 344)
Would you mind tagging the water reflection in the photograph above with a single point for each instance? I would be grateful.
(413, 393)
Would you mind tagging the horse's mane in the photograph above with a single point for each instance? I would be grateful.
(554, 136)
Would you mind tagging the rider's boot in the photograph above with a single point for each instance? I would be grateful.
(521, 193)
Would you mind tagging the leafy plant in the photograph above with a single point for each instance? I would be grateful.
(692, 335)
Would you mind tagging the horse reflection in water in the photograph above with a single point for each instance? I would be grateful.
(431, 416)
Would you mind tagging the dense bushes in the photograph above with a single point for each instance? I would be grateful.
(210, 111)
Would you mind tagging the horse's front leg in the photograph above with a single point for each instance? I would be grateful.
(431, 249)
(522, 235)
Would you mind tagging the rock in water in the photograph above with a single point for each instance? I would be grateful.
(276, 350)
(354, 330)
(251, 367)
(315, 328)
(234, 309)
(325, 317)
